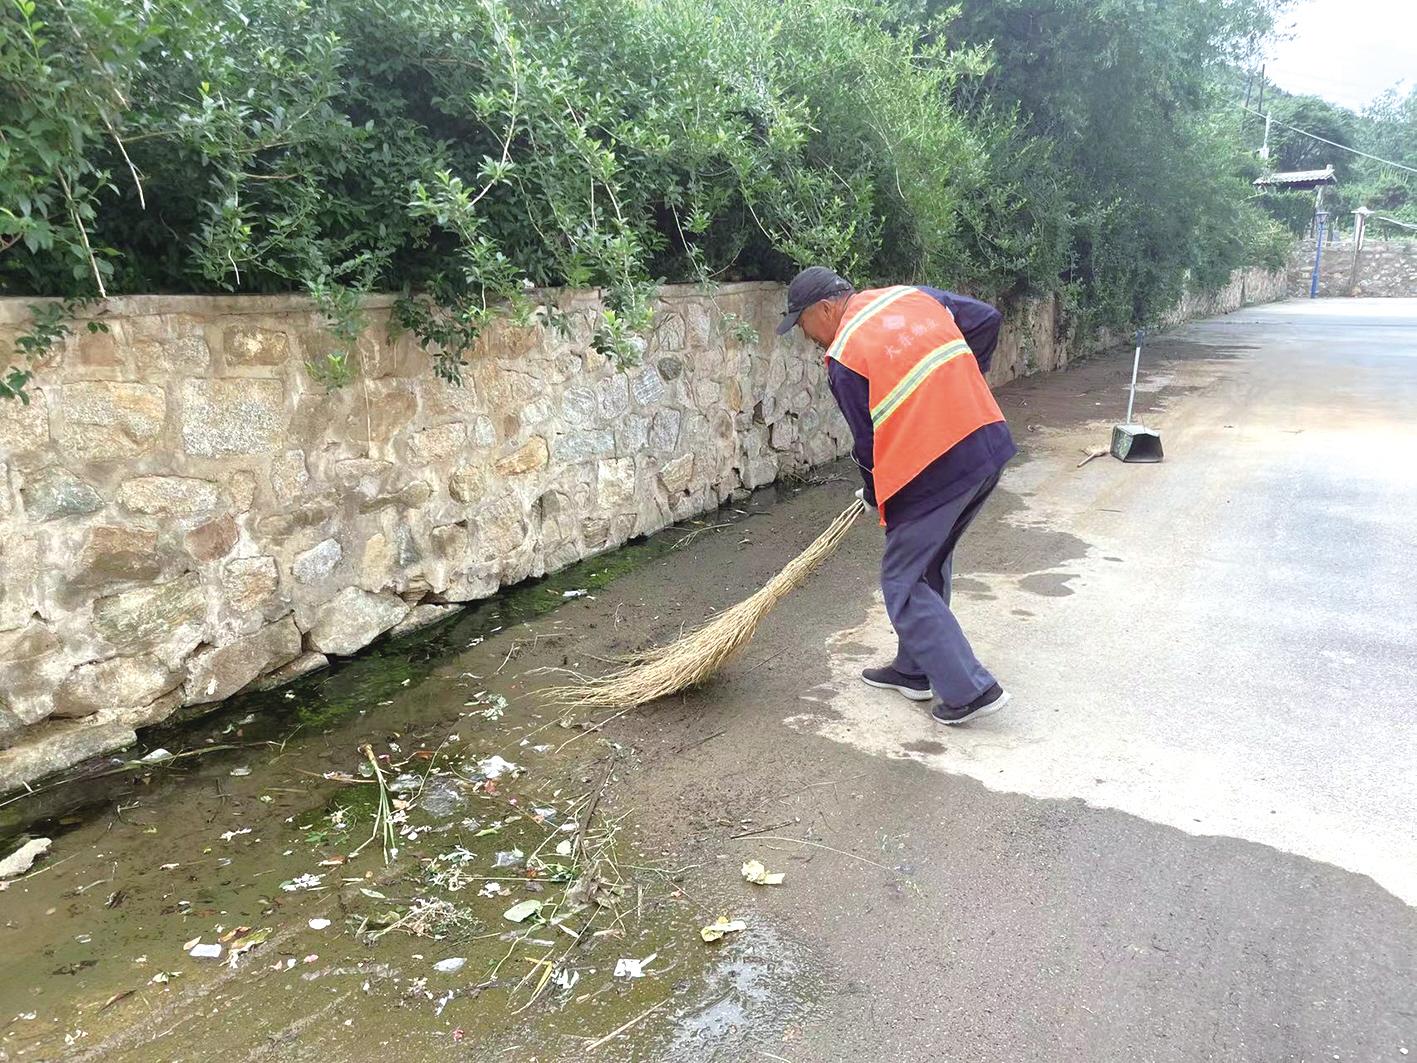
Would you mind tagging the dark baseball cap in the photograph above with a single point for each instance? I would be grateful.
(812, 285)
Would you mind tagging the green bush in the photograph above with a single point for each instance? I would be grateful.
(1269, 244)
(465, 152)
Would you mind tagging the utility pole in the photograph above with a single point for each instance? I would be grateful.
(1360, 221)
(1319, 219)
(1264, 148)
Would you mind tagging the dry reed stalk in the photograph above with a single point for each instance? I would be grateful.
(693, 658)
(383, 815)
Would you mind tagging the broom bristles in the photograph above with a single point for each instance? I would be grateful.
(694, 657)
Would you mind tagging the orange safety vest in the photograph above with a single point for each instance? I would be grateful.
(925, 388)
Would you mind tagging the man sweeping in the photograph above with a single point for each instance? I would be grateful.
(906, 365)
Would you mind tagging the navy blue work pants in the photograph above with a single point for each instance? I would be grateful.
(915, 581)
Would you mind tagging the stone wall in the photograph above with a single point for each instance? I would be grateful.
(184, 513)
(1386, 268)
(1246, 287)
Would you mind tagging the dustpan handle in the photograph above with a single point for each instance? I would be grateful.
(1136, 364)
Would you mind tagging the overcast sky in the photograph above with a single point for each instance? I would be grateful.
(1347, 51)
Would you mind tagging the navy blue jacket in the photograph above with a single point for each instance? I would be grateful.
(974, 459)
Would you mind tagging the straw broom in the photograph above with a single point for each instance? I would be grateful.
(694, 657)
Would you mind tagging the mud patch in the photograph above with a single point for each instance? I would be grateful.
(1093, 388)
(1179, 350)
(975, 588)
(1020, 541)
(855, 650)
(925, 746)
(1048, 584)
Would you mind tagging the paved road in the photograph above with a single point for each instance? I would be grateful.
(1194, 833)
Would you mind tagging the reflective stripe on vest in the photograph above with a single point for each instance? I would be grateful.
(927, 365)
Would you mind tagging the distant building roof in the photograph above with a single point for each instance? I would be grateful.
(1298, 179)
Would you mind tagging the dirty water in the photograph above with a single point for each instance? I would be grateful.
(406, 856)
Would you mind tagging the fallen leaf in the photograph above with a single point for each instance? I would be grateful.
(522, 910)
(626, 967)
(755, 872)
(721, 926)
(249, 942)
(116, 998)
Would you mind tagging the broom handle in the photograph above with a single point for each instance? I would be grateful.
(1136, 364)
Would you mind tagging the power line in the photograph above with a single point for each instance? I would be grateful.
(1333, 143)
(1286, 74)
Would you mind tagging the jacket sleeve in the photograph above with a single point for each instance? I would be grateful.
(853, 395)
(979, 322)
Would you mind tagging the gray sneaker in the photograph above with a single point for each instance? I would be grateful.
(914, 687)
(992, 700)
